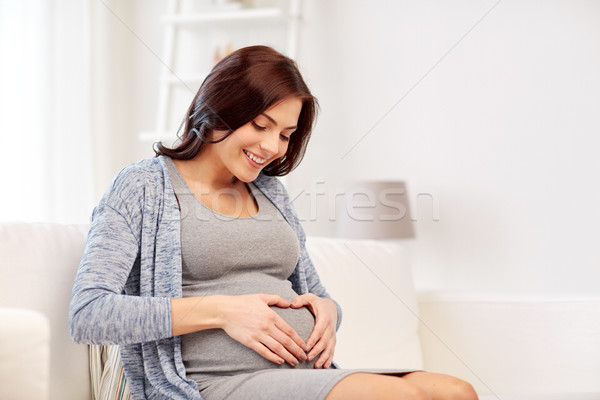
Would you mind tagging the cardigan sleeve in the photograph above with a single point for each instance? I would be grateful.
(100, 312)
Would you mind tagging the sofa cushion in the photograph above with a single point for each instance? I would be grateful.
(37, 268)
(24, 354)
(373, 283)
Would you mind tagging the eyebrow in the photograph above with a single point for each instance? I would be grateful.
(275, 122)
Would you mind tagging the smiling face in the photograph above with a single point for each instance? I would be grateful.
(253, 146)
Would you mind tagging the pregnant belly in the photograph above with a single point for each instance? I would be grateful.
(212, 352)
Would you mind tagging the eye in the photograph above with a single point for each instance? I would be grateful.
(285, 138)
(258, 127)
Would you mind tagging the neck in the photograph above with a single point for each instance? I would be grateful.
(205, 172)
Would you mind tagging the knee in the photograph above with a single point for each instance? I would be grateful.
(399, 389)
(421, 395)
(414, 392)
(461, 390)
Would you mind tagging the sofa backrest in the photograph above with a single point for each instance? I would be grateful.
(371, 280)
(38, 262)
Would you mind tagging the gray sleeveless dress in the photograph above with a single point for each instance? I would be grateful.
(235, 256)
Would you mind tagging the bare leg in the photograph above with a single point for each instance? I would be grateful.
(362, 386)
(413, 386)
(442, 387)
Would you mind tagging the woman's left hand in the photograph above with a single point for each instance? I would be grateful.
(322, 339)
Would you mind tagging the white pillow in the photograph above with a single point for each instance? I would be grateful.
(373, 283)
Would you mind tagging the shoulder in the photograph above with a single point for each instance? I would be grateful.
(272, 187)
(140, 172)
(135, 182)
(138, 176)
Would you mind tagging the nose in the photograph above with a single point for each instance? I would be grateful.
(270, 143)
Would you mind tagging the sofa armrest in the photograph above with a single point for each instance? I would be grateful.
(507, 343)
(38, 262)
(24, 355)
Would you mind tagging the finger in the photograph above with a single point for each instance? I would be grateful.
(321, 360)
(326, 358)
(291, 346)
(316, 334)
(328, 362)
(299, 301)
(327, 340)
(317, 349)
(290, 338)
(276, 300)
(277, 348)
(263, 351)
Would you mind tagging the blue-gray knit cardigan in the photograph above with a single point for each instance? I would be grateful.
(131, 268)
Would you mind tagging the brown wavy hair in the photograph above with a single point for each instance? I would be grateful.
(240, 87)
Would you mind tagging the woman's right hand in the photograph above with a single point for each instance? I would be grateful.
(249, 320)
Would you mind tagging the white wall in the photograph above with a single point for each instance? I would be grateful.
(498, 128)
(501, 132)
(126, 52)
(44, 111)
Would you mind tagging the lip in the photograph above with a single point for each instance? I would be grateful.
(254, 163)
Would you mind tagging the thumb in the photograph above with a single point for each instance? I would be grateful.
(297, 301)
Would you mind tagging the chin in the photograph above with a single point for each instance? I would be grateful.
(247, 177)
(249, 174)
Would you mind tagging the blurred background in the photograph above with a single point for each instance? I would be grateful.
(487, 110)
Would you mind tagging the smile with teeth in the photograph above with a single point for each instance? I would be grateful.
(254, 157)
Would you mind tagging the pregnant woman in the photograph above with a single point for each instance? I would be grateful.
(195, 262)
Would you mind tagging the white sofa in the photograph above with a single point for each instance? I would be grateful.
(509, 346)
